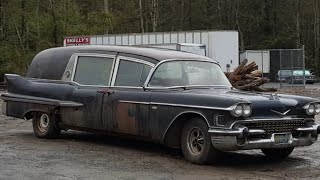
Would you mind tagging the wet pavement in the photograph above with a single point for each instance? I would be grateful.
(78, 155)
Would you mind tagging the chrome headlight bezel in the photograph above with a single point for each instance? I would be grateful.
(241, 109)
(312, 108)
(247, 110)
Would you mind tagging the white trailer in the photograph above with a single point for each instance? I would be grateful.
(221, 46)
(260, 57)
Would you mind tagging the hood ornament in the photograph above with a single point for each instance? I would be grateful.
(274, 97)
(280, 113)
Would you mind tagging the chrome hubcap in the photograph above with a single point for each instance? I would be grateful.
(43, 123)
(195, 141)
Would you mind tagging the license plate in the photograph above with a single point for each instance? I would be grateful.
(282, 138)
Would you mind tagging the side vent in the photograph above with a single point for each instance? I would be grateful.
(218, 120)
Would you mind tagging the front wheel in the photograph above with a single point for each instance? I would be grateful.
(44, 126)
(277, 153)
(196, 143)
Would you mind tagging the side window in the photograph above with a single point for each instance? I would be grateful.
(132, 73)
(93, 70)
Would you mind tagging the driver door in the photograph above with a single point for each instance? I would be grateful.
(126, 106)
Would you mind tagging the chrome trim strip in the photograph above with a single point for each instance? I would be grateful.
(175, 87)
(38, 100)
(190, 106)
(235, 132)
(185, 112)
(256, 131)
(115, 72)
(129, 87)
(134, 102)
(306, 129)
(178, 105)
(221, 132)
(280, 113)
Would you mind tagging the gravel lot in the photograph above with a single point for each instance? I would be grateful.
(78, 155)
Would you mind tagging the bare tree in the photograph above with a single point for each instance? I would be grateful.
(54, 22)
(154, 13)
(316, 32)
(106, 6)
(298, 33)
(238, 25)
(141, 16)
(1, 20)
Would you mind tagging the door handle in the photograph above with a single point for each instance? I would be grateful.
(105, 91)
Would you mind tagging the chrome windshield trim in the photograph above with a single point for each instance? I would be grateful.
(169, 60)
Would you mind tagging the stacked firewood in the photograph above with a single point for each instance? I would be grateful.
(248, 78)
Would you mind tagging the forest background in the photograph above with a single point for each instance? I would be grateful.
(29, 26)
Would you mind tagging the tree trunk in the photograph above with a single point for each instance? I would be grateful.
(54, 23)
(1, 20)
(38, 25)
(298, 33)
(141, 16)
(220, 14)
(316, 33)
(23, 22)
(154, 14)
(16, 28)
(106, 6)
(238, 26)
(182, 15)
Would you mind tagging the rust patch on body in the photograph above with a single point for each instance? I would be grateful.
(126, 118)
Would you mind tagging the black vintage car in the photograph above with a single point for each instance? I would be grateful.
(179, 99)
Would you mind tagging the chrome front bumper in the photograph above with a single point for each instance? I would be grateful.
(240, 139)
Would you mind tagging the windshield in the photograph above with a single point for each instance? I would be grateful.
(188, 73)
(300, 73)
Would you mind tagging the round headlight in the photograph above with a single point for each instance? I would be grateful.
(237, 110)
(246, 110)
(311, 109)
(317, 106)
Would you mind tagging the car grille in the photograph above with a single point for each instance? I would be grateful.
(275, 127)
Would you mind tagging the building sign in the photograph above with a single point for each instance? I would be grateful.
(77, 41)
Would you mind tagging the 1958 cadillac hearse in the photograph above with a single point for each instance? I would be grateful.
(175, 98)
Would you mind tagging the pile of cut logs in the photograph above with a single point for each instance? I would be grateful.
(248, 78)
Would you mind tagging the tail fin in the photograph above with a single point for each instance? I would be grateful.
(15, 83)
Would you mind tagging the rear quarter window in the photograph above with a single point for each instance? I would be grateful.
(93, 70)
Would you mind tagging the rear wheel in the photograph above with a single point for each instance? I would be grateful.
(44, 126)
(196, 143)
(277, 153)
